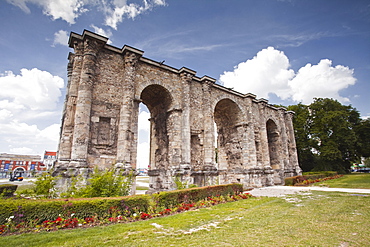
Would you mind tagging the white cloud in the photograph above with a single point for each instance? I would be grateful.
(5, 115)
(21, 4)
(22, 150)
(144, 123)
(321, 81)
(61, 37)
(269, 72)
(50, 133)
(28, 105)
(119, 9)
(23, 138)
(67, 10)
(33, 89)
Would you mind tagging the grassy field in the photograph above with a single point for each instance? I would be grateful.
(25, 187)
(354, 180)
(142, 179)
(310, 219)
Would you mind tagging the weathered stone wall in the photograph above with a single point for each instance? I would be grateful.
(190, 118)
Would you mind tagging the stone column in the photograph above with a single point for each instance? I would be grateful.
(125, 132)
(283, 142)
(185, 131)
(209, 147)
(174, 138)
(152, 145)
(264, 139)
(83, 105)
(74, 72)
(249, 147)
(292, 148)
(134, 130)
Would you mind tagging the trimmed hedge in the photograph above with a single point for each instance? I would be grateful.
(170, 199)
(8, 190)
(308, 175)
(325, 173)
(42, 209)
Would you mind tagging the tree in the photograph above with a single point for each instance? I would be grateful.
(363, 135)
(325, 135)
(304, 143)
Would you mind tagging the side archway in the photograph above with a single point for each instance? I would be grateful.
(273, 138)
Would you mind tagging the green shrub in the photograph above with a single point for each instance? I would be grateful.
(41, 209)
(321, 173)
(49, 209)
(169, 199)
(7, 190)
(44, 185)
(183, 185)
(101, 184)
(289, 181)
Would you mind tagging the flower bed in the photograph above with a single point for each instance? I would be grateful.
(311, 177)
(18, 216)
(318, 180)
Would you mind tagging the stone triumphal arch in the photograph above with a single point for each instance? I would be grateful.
(201, 132)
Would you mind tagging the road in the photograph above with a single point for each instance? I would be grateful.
(26, 181)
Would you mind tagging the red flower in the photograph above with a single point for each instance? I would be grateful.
(58, 219)
(145, 216)
(89, 220)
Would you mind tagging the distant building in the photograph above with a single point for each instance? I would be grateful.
(27, 164)
(49, 159)
(142, 171)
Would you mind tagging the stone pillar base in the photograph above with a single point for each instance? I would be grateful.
(160, 180)
(250, 178)
(127, 170)
(65, 171)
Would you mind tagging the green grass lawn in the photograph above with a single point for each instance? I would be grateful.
(142, 179)
(25, 187)
(142, 188)
(354, 180)
(310, 219)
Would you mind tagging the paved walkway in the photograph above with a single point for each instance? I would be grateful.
(276, 191)
(25, 181)
(271, 191)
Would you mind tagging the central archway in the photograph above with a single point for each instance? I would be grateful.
(158, 101)
(229, 141)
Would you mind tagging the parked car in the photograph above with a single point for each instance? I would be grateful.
(16, 176)
(364, 170)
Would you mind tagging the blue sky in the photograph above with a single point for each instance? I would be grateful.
(287, 51)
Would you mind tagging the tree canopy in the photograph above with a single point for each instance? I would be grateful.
(329, 135)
